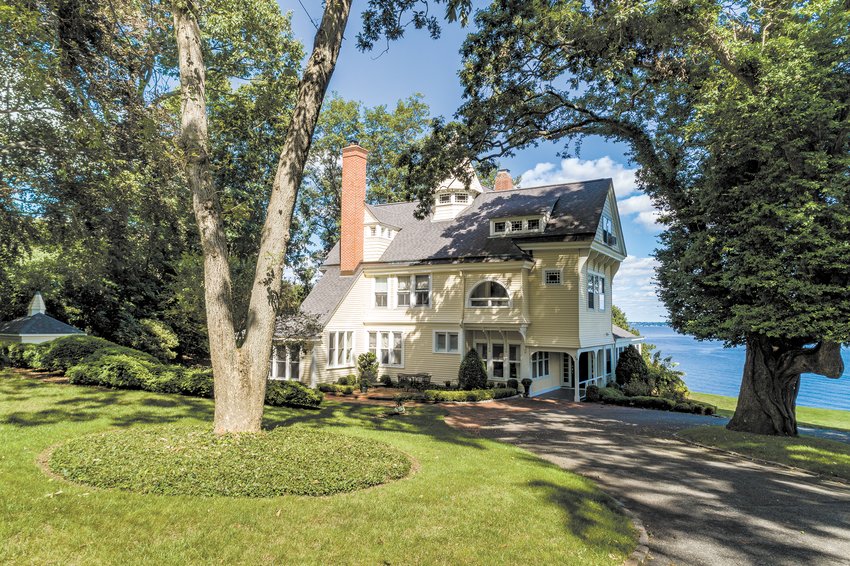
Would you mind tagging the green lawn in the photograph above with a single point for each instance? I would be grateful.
(808, 416)
(813, 454)
(469, 501)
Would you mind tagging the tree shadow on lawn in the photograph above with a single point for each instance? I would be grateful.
(420, 420)
(124, 408)
(93, 403)
(700, 507)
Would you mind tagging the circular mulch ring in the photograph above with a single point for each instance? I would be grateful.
(195, 461)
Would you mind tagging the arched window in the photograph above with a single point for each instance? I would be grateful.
(489, 294)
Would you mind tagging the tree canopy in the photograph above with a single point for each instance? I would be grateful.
(738, 116)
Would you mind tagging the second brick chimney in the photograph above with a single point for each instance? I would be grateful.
(504, 181)
(353, 208)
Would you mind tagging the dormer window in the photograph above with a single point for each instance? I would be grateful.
(461, 198)
(515, 226)
(374, 231)
(445, 198)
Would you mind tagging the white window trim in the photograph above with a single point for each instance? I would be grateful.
(605, 284)
(447, 196)
(534, 362)
(378, 349)
(457, 198)
(287, 361)
(351, 348)
(375, 290)
(524, 230)
(413, 304)
(489, 280)
(560, 276)
(446, 351)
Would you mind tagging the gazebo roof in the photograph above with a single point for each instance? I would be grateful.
(37, 322)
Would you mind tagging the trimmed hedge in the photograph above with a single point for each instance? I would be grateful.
(292, 393)
(612, 396)
(442, 396)
(63, 353)
(87, 360)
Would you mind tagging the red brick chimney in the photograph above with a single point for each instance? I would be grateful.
(353, 207)
(504, 181)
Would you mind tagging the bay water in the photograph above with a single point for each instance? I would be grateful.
(711, 368)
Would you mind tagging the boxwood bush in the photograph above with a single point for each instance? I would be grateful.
(613, 396)
(443, 396)
(292, 393)
(68, 351)
(118, 371)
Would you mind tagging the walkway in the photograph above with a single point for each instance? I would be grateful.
(699, 507)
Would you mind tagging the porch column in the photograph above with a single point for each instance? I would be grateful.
(576, 397)
(274, 362)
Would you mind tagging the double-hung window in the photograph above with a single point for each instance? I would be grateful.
(387, 347)
(595, 291)
(608, 232)
(422, 291)
(446, 342)
(340, 349)
(403, 292)
(380, 291)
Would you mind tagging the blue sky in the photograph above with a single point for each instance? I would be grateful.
(418, 64)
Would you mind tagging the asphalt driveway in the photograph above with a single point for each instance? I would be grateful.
(699, 506)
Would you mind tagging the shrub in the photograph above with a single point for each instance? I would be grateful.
(513, 384)
(630, 365)
(345, 389)
(327, 387)
(117, 371)
(68, 351)
(387, 380)
(168, 380)
(367, 370)
(592, 394)
(441, 396)
(115, 350)
(448, 384)
(611, 396)
(15, 354)
(197, 382)
(292, 393)
(526, 385)
(659, 403)
(638, 388)
(349, 379)
(472, 374)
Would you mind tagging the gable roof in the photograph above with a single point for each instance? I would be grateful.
(622, 333)
(326, 295)
(573, 212)
(38, 323)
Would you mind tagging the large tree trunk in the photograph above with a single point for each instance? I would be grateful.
(771, 381)
(241, 370)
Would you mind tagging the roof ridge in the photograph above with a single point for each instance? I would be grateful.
(553, 185)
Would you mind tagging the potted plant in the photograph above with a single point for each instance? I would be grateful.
(367, 370)
(526, 384)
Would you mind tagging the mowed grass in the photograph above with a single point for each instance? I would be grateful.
(806, 416)
(468, 501)
(814, 454)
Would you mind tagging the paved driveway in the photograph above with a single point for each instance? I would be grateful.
(699, 507)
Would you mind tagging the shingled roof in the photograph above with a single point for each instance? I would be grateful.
(574, 210)
(37, 324)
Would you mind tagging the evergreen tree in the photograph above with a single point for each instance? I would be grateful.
(472, 373)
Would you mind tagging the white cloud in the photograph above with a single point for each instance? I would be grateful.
(574, 169)
(641, 206)
(635, 290)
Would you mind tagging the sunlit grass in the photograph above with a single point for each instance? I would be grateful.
(806, 416)
(814, 454)
(470, 501)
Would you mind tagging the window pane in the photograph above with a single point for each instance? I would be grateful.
(373, 343)
(462, 198)
(404, 283)
(423, 282)
(534, 224)
(482, 350)
(381, 284)
(453, 342)
(396, 357)
(441, 342)
(516, 225)
(498, 226)
(445, 198)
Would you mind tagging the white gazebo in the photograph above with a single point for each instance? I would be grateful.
(37, 326)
